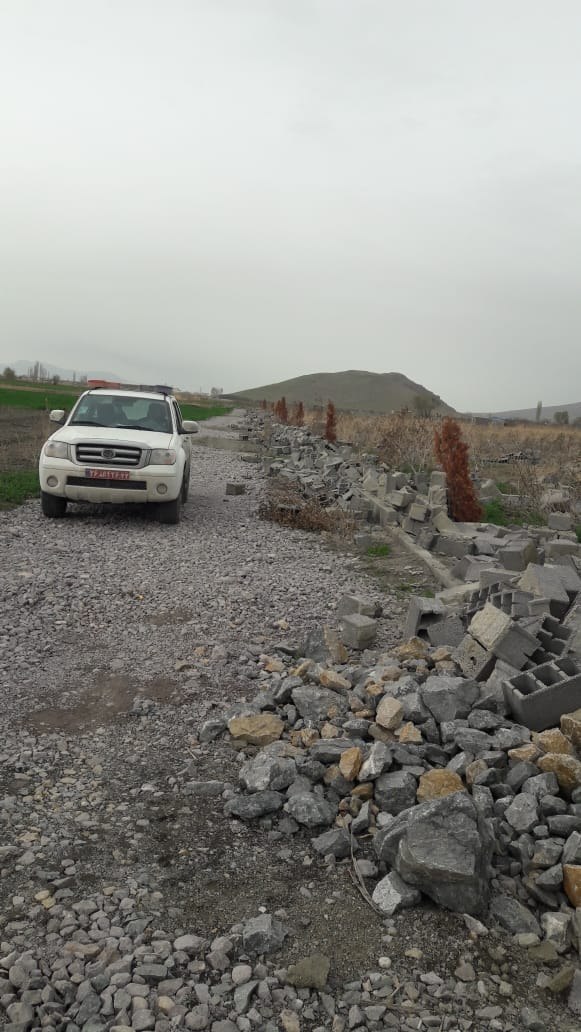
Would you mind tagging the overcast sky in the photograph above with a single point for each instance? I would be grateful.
(232, 192)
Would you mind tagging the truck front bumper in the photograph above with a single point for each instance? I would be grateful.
(65, 479)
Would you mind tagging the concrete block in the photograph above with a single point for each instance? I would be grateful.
(539, 697)
(356, 604)
(437, 478)
(554, 636)
(560, 546)
(458, 547)
(473, 660)
(470, 568)
(497, 633)
(235, 489)
(422, 612)
(442, 522)
(560, 521)
(538, 606)
(396, 480)
(488, 577)
(400, 499)
(370, 484)
(547, 582)
(413, 527)
(358, 631)
(447, 631)
(388, 517)
(517, 555)
(573, 623)
(418, 511)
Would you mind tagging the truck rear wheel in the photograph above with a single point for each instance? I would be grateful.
(52, 505)
(170, 512)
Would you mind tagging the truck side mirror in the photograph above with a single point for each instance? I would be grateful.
(57, 415)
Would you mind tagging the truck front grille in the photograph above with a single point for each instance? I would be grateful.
(119, 485)
(124, 455)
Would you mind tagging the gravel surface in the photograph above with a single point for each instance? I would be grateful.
(126, 897)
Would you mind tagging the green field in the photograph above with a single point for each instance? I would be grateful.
(200, 412)
(44, 399)
(50, 398)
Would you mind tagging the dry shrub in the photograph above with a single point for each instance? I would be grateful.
(452, 452)
(284, 503)
(331, 423)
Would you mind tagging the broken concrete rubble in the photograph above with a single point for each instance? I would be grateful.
(463, 746)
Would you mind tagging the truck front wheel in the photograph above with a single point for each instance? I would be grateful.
(170, 512)
(52, 505)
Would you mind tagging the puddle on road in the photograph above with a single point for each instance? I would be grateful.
(106, 697)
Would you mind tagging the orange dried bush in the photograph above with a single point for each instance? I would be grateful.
(331, 423)
(452, 453)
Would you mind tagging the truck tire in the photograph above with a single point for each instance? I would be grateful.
(170, 512)
(186, 486)
(52, 505)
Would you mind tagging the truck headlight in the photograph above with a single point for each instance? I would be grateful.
(56, 450)
(163, 457)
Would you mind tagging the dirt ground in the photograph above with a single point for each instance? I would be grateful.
(22, 434)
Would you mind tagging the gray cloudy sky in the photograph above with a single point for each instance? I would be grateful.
(232, 192)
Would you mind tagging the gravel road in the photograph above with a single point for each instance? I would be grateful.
(118, 638)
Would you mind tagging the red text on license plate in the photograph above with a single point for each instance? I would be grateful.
(107, 474)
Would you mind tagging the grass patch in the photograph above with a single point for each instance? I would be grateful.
(200, 412)
(503, 487)
(578, 532)
(494, 512)
(379, 551)
(16, 487)
(405, 587)
(428, 593)
(38, 400)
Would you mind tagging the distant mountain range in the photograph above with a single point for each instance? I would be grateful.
(23, 365)
(354, 390)
(547, 413)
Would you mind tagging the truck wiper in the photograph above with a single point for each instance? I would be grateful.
(85, 422)
(135, 426)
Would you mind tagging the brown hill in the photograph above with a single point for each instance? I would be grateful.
(352, 391)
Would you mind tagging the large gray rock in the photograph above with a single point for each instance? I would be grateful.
(317, 703)
(442, 847)
(378, 762)
(522, 814)
(572, 850)
(337, 842)
(330, 750)
(449, 698)
(248, 807)
(514, 916)
(311, 810)
(267, 772)
(395, 792)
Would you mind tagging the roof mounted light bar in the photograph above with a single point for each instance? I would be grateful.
(101, 385)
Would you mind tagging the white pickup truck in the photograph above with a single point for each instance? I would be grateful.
(118, 444)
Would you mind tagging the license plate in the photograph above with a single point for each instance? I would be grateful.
(107, 474)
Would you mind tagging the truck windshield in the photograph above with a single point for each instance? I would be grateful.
(122, 412)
